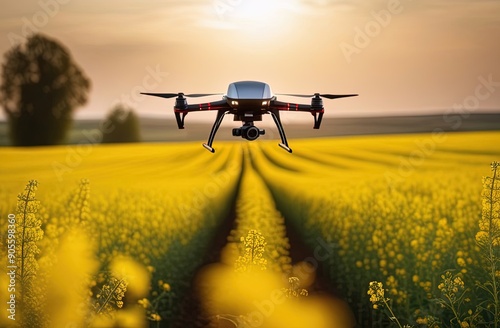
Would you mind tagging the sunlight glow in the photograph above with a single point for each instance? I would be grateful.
(258, 16)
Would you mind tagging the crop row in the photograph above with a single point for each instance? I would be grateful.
(256, 285)
(255, 263)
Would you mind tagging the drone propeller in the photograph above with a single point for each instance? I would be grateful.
(180, 94)
(325, 95)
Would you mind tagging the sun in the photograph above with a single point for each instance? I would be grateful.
(263, 17)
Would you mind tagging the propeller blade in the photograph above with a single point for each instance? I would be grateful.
(162, 95)
(326, 95)
(294, 95)
(196, 95)
(173, 95)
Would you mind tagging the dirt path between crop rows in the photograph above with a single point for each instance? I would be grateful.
(192, 314)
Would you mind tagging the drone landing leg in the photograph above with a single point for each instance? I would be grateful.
(215, 127)
(276, 118)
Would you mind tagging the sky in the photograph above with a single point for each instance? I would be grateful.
(406, 57)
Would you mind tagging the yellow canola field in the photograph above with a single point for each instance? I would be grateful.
(397, 209)
(156, 205)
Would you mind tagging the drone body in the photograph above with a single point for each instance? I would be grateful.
(248, 101)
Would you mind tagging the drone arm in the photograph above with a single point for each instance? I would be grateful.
(181, 111)
(316, 112)
(292, 107)
(216, 105)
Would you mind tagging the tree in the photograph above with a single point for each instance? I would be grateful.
(125, 126)
(41, 86)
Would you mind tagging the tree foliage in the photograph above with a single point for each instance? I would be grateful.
(41, 86)
(124, 126)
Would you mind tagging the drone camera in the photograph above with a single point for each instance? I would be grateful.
(237, 132)
(249, 132)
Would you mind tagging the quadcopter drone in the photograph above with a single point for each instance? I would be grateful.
(248, 101)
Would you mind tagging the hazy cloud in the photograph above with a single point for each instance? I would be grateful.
(435, 48)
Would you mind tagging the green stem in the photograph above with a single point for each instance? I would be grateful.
(108, 298)
(228, 317)
(492, 257)
(23, 238)
(393, 316)
(452, 308)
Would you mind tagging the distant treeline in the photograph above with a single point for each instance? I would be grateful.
(165, 130)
